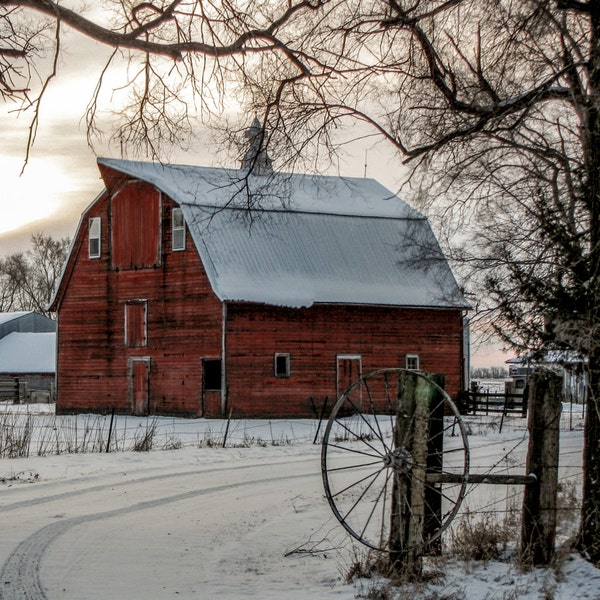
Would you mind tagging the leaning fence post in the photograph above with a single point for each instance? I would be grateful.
(538, 527)
(110, 428)
(321, 417)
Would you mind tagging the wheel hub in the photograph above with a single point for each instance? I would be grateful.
(400, 459)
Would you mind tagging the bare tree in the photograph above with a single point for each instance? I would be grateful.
(496, 105)
(497, 108)
(28, 279)
(182, 57)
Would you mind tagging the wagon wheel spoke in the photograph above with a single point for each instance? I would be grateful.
(355, 451)
(360, 413)
(374, 414)
(391, 408)
(358, 437)
(381, 497)
(366, 495)
(360, 466)
(363, 493)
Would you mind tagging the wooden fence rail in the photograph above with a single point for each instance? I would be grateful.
(496, 402)
(9, 389)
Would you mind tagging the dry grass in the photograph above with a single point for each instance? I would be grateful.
(481, 538)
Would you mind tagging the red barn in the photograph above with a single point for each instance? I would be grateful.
(178, 299)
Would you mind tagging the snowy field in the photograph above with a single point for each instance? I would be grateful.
(249, 520)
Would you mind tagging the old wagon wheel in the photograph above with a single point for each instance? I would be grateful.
(395, 460)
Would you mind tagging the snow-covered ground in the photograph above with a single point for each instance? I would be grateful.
(246, 521)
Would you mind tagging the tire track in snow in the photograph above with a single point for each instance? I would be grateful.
(128, 482)
(20, 575)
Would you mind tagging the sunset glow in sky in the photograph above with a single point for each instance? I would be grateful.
(31, 197)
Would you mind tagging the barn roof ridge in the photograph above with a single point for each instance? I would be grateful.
(263, 210)
(284, 192)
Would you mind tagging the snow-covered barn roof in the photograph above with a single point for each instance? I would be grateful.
(28, 353)
(307, 238)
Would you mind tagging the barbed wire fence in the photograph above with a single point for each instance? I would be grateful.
(24, 433)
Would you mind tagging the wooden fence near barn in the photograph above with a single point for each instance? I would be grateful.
(496, 402)
(502, 403)
(9, 389)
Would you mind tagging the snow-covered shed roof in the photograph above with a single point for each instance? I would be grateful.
(306, 238)
(25, 321)
(11, 316)
(28, 353)
(548, 357)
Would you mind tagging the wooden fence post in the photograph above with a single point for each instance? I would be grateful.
(538, 527)
(435, 464)
(418, 516)
(400, 514)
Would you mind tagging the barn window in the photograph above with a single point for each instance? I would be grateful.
(94, 236)
(178, 229)
(282, 365)
(212, 374)
(136, 323)
(412, 362)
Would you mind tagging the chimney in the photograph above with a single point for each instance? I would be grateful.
(256, 158)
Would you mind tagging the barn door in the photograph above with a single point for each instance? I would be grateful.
(212, 373)
(349, 371)
(139, 385)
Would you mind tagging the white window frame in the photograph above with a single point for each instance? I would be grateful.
(412, 362)
(285, 355)
(177, 230)
(95, 235)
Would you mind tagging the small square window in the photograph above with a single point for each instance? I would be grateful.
(178, 229)
(94, 237)
(412, 362)
(282, 365)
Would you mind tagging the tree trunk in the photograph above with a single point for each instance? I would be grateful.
(589, 534)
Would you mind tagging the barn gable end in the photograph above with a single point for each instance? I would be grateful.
(97, 362)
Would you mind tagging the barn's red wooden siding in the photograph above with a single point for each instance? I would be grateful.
(183, 325)
(315, 336)
(97, 371)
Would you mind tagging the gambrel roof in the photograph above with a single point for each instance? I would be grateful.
(295, 240)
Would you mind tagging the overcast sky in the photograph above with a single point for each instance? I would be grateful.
(61, 177)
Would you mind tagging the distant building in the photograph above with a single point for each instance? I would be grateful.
(178, 299)
(27, 357)
(570, 365)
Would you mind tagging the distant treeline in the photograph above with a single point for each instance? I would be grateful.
(489, 372)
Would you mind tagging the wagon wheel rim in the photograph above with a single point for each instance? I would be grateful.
(364, 464)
